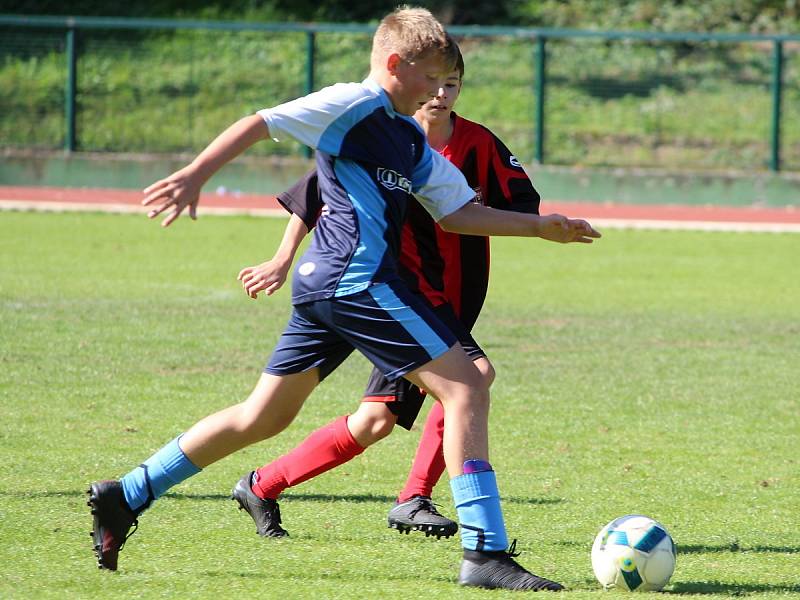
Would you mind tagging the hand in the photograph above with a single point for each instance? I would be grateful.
(268, 277)
(177, 191)
(558, 228)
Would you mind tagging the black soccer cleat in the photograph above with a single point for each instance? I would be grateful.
(499, 570)
(420, 514)
(265, 513)
(111, 521)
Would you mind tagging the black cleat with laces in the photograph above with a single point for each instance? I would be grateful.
(265, 512)
(112, 520)
(420, 514)
(499, 570)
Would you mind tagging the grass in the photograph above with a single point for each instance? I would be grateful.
(653, 372)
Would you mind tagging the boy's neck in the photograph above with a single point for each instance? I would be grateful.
(384, 79)
(438, 132)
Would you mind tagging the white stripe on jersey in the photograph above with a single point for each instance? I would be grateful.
(446, 189)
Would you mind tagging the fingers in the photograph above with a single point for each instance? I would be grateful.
(155, 187)
(273, 288)
(174, 215)
(169, 201)
(160, 190)
(254, 281)
(582, 228)
(175, 192)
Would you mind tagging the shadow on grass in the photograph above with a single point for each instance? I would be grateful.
(377, 498)
(301, 496)
(732, 589)
(330, 576)
(708, 548)
(734, 547)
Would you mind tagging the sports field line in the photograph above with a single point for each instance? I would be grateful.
(696, 225)
(602, 215)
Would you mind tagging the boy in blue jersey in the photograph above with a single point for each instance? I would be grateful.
(371, 156)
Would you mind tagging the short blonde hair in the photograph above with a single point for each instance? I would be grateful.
(413, 33)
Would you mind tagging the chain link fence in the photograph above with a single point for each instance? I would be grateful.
(601, 99)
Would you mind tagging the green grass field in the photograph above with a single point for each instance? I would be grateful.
(653, 372)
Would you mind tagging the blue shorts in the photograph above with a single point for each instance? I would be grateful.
(403, 398)
(395, 329)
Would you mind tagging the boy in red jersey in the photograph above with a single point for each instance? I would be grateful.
(450, 270)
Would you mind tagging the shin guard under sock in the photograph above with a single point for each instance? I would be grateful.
(147, 482)
(326, 448)
(477, 502)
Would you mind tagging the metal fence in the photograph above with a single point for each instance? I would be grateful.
(569, 97)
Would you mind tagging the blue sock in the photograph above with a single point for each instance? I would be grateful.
(167, 467)
(478, 505)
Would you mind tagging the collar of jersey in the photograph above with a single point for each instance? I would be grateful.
(387, 103)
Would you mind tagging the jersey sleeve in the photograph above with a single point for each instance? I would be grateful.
(321, 119)
(303, 199)
(439, 186)
(509, 187)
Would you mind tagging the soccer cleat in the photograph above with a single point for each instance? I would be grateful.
(112, 519)
(265, 512)
(499, 570)
(420, 514)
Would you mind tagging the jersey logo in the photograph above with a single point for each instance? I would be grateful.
(306, 268)
(514, 162)
(392, 180)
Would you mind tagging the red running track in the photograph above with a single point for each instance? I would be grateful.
(710, 217)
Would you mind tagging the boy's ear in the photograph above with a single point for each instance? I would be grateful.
(393, 62)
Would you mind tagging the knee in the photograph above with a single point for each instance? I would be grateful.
(476, 395)
(487, 375)
(486, 370)
(381, 427)
(370, 424)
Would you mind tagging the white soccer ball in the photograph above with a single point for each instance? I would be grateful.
(633, 553)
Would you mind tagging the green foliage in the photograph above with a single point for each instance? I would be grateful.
(763, 16)
(650, 372)
(608, 103)
(670, 15)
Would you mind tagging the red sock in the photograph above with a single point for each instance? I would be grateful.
(428, 463)
(326, 448)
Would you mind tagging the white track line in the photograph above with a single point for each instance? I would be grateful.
(37, 206)
(696, 225)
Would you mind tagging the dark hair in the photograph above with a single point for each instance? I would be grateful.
(459, 62)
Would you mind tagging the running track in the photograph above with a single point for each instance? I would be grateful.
(706, 218)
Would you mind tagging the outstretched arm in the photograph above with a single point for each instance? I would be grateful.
(269, 276)
(475, 219)
(182, 188)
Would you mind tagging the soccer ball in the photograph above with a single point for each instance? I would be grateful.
(633, 553)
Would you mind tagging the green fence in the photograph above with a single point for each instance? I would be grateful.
(567, 97)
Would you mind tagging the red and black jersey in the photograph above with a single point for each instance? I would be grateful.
(447, 267)
(451, 267)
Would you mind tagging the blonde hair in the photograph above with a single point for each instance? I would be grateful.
(412, 33)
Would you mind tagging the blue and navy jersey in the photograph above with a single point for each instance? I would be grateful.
(370, 160)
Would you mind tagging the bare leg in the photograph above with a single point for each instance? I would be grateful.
(457, 383)
(372, 422)
(428, 464)
(270, 408)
